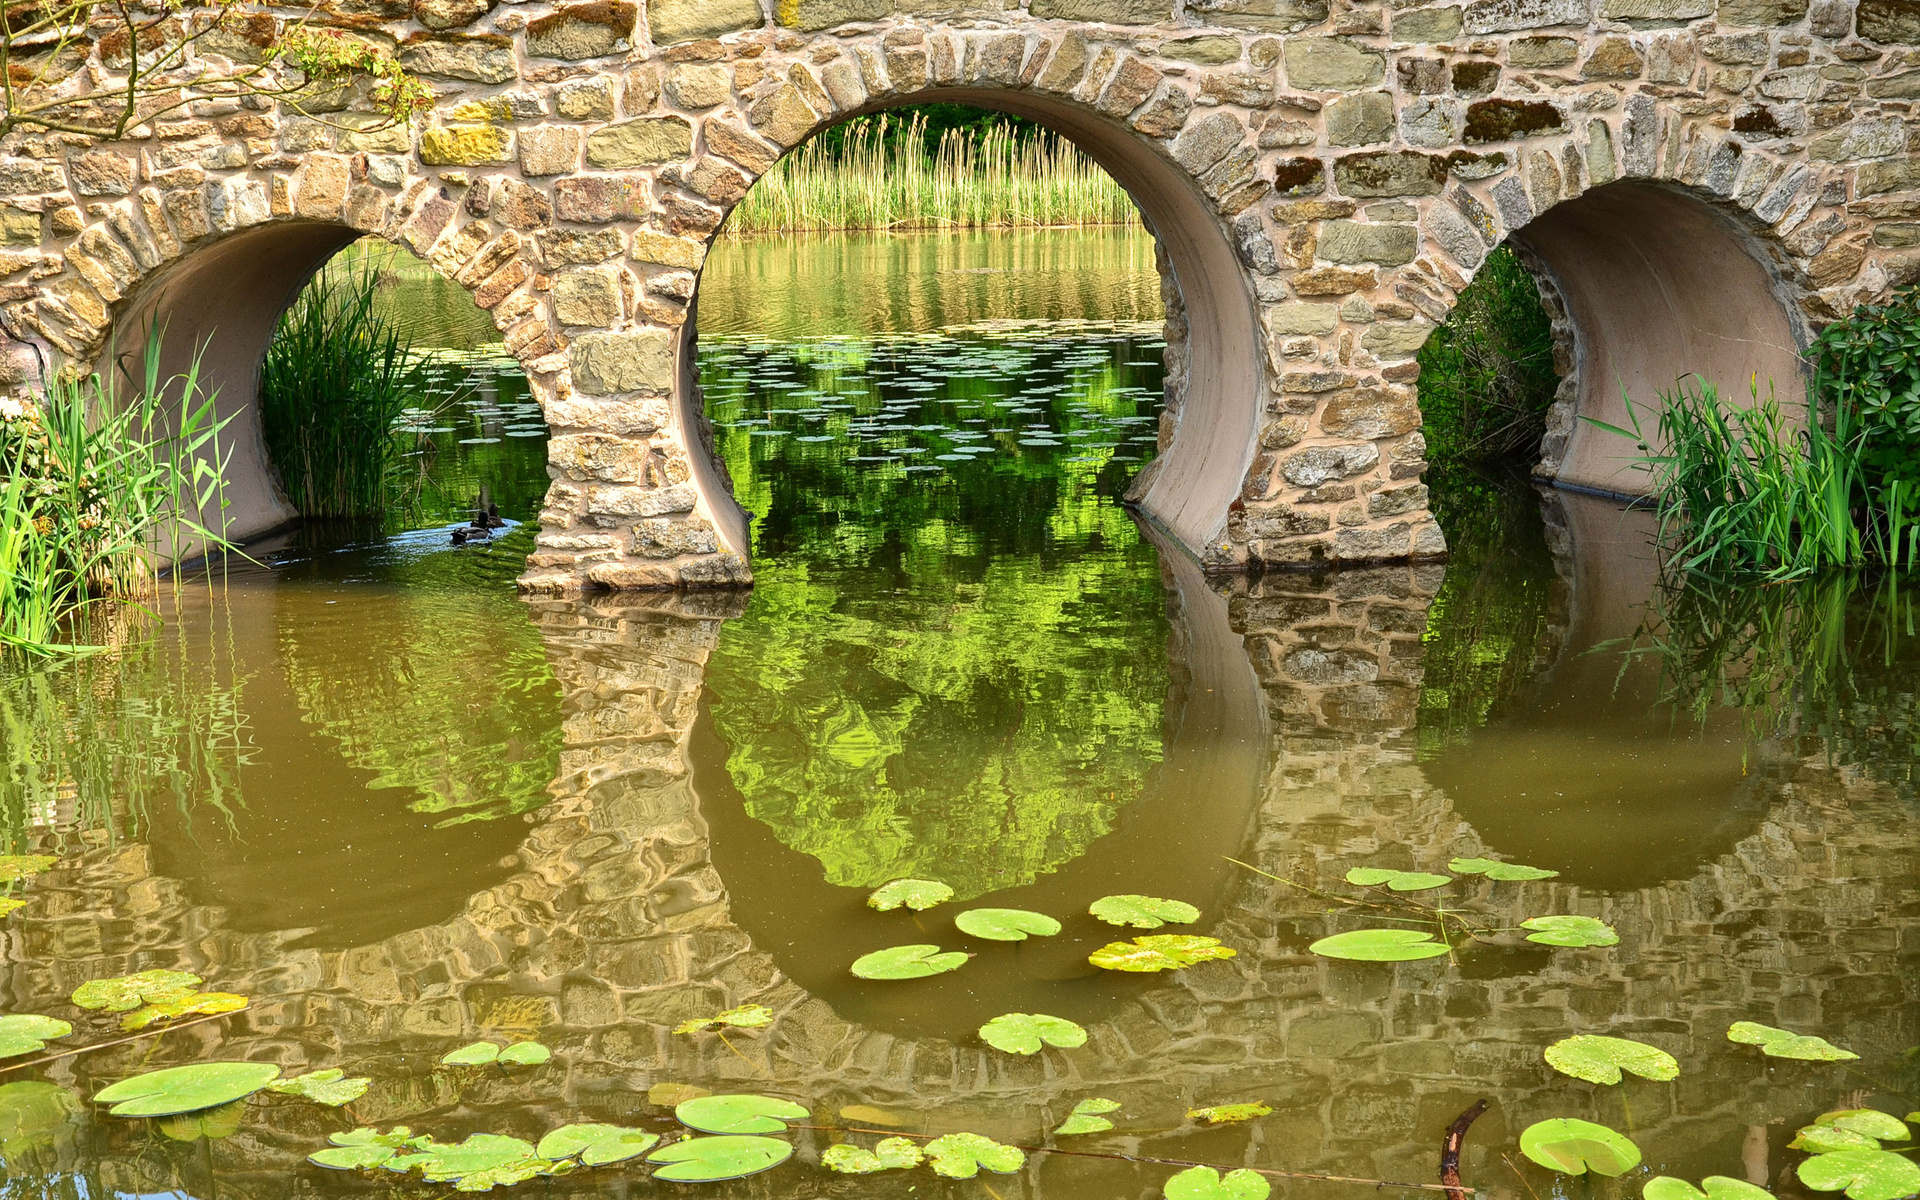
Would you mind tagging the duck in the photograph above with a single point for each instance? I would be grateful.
(471, 533)
(488, 518)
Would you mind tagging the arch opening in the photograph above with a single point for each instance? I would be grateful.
(1199, 471)
(1656, 284)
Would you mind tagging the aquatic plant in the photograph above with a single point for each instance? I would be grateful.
(1087, 1117)
(1142, 912)
(746, 1016)
(1207, 1183)
(1023, 1033)
(1575, 1147)
(916, 894)
(484, 1054)
(100, 485)
(186, 1089)
(1487, 374)
(739, 1114)
(907, 962)
(1597, 1058)
(1159, 952)
(337, 378)
(1005, 924)
(881, 174)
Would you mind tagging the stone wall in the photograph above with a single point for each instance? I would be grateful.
(1326, 175)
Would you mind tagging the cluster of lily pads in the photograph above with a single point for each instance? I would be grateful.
(1024, 1033)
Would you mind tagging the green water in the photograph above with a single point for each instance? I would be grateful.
(400, 808)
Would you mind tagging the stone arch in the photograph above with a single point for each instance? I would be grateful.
(1214, 412)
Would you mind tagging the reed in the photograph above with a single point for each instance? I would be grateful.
(882, 175)
(100, 488)
(335, 381)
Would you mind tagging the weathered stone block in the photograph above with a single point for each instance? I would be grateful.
(369, 133)
(470, 145)
(321, 185)
(1360, 120)
(1316, 465)
(1761, 12)
(99, 173)
(645, 141)
(18, 227)
(1278, 16)
(25, 177)
(549, 150)
(1505, 120)
(1893, 175)
(665, 537)
(587, 297)
(450, 14)
(1208, 50)
(672, 21)
(1655, 10)
(666, 251)
(1389, 173)
(1297, 320)
(594, 456)
(1350, 242)
(699, 85)
(1106, 12)
(582, 31)
(1863, 137)
(569, 247)
(1433, 122)
(606, 363)
(1395, 339)
(1370, 413)
(1501, 16)
(1332, 281)
(1426, 25)
(1612, 58)
(585, 99)
(1896, 22)
(825, 14)
(1323, 64)
(476, 59)
(598, 199)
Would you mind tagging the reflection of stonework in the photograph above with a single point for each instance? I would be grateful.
(613, 925)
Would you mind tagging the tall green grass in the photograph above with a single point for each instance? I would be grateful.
(1486, 375)
(1744, 490)
(337, 376)
(882, 175)
(99, 488)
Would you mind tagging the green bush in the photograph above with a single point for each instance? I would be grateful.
(1868, 366)
(1486, 376)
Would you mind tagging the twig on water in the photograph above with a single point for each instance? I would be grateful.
(1450, 1149)
(34, 1062)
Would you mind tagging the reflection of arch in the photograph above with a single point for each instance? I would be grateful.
(1657, 284)
(1198, 473)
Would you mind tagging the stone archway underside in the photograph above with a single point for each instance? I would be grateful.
(1323, 179)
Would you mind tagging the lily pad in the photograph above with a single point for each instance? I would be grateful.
(209, 1124)
(27, 1033)
(1022, 1033)
(32, 1114)
(481, 1054)
(710, 1159)
(1380, 945)
(1599, 1059)
(363, 1148)
(1504, 872)
(1225, 1114)
(186, 1089)
(482, 1162)
(1779, 1043)
(892, 1154)
(1825, 1139)
(15, 867)
(1398, 881)
(1143, 912)
(907, 962)
(1570, 931)
(1870, 1121)
(1205, 1183)
(739, 1114)
(1159, 952)
(962, 1155)
(1086, 1118)
(1006, 924)
(329, 1087)
(1575, 1147)
(525, 1054)
(1865, 1174)
(596, 1145)
(1718, 1187)
(747, 1016)
(124, 993)
(916, 894)
(193, 1004)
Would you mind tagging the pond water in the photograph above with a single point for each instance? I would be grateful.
(401, 809)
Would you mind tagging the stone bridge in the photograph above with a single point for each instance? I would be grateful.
(616, 920)
(1699, 183)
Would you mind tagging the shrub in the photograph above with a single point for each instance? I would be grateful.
(1868, 367)
(1486, 376)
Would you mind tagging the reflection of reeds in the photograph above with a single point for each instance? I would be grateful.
(336, 379)
(973, 178)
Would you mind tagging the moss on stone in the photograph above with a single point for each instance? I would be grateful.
(1505, 120)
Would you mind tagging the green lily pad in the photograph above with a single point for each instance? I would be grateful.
(738, 1114)
(209, 1124)
(357, 1149)
(1865, 1174)
(1205, 1183)
(1225, 1114)
(1504, 872)
(907, 962)
(892, 1154)
(481, 1054)
(1570, 931)
(193, 1004)
(1718, 1187)
(473, 1054)
(27, 1033)
(186, 1089)
(916, 894)
(329, 1087)
(596, 1145)
(961, 1155)
(1006, 924)
(1870, 1121)
(1575, 1147)
(747, 1016)
(124, 993)
(1599, 1059)
(1086, 1118)
(15, 867)
(1022, 1033)
(1825, 1139)
(710, 1159)
(1159, 952)
(1143, 912)
(1779, 1043)
(525, 1054)
(1380, 945)
(482, 1162)
(32, 1114)
(1398, 881)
